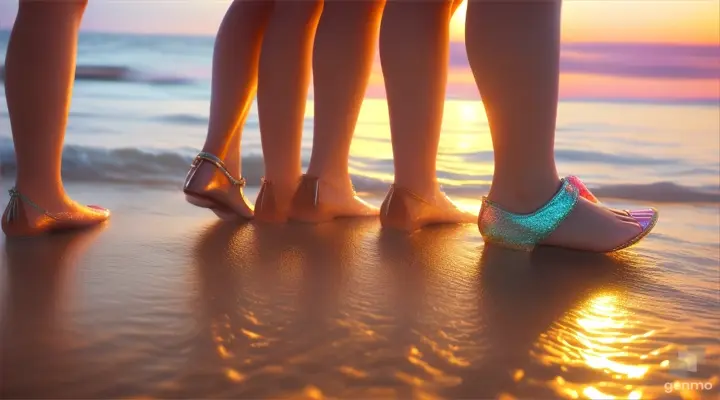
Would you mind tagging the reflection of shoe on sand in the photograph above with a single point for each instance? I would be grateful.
(406, 211)
(313, 202)
(525, 231)
(23, 217)
(213, 194)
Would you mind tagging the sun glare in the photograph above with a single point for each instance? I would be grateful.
(457, 23)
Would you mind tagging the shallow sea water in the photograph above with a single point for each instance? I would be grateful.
(165, 302)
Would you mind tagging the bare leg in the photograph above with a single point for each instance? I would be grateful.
(39, 74)
(414, 45)
(342, 62)
(285, 68)
(234, 84)
(513, 49)
(233, 160)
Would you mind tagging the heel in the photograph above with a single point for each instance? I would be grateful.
(306, 205)
(15, 221)
(492, 236)
(524, 231)
(396, 211)
(266, 206)
(210, 195)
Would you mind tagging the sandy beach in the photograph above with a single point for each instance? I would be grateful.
(166, 302)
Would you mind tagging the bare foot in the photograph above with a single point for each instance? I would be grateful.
(319, 200)
(21, 218)
(274, 199)
(210, 188)
(406, 210)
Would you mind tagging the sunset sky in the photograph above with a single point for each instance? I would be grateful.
(620, 48)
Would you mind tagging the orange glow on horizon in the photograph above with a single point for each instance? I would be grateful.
(638, 21)
(461, 84)
(600, 86)
(627, 21)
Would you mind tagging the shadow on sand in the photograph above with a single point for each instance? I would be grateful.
(342, 310)
(347, 310)
(36, 346)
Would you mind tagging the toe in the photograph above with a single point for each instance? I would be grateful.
(645, 218)
(641, 212)
(461, 216)
(626, 218)
(99, 210)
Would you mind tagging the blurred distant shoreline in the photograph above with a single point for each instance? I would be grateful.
(140, 111)
(648, 73)
(119, 73)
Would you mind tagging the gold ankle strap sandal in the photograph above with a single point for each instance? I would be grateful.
(403, 210)
(12, 213)
(15, 221)
(218, 163)
(207, 196)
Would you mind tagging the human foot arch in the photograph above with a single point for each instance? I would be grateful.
(407, 211)
(316, 200)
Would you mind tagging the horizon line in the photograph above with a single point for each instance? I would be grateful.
(212, 36)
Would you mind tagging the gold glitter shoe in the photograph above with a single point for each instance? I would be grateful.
(17, 220)
(213, 194)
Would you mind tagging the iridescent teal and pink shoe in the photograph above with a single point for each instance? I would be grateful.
(645, 217)
(525, 231)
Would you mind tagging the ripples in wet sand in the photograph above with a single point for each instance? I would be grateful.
(344, 310)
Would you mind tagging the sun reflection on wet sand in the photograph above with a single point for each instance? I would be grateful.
(603, 336)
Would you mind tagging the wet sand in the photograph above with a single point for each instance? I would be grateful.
(167, 302)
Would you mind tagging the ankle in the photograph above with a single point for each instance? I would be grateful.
(523, 197)
(284, 185)
(426, 189)
(219, 153)
(329, 171)
(338, 181)
(45, 193)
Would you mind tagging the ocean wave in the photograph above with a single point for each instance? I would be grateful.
(570, 155)
(120, 73)
(168, 169)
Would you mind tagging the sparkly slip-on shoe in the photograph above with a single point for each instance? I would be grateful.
(525, 231)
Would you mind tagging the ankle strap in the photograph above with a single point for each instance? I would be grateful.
(13, 207)
(217, 162)
(409, 192)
